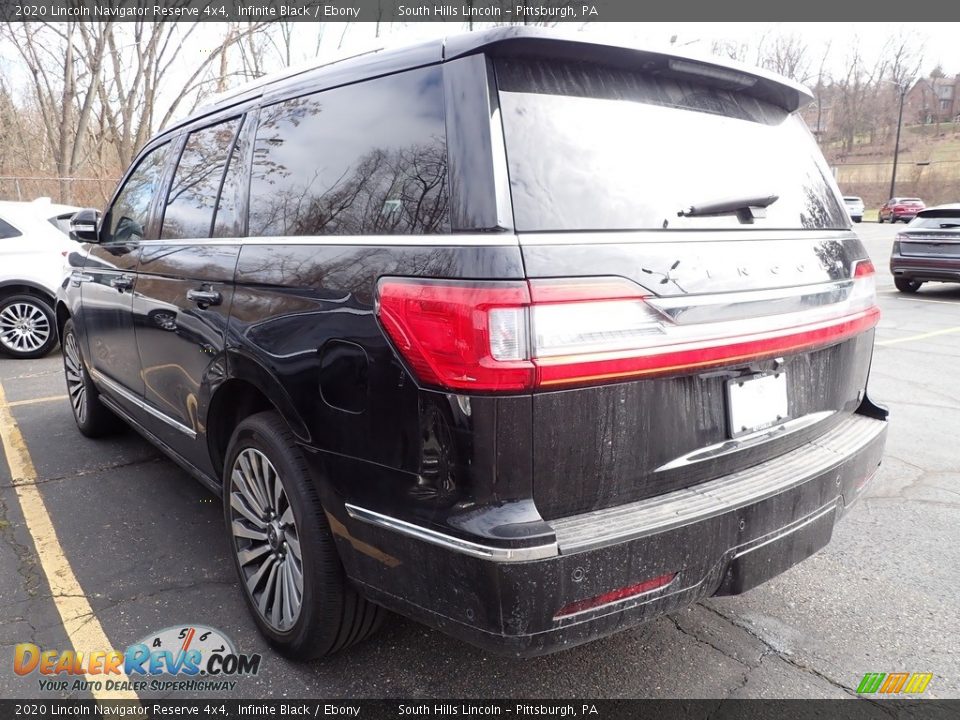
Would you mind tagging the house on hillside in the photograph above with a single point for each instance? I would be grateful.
(933, 100)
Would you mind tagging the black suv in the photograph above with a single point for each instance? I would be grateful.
(526, 338)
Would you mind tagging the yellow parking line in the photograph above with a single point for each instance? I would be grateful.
(81, 625)
(921, 336)
(31, 401)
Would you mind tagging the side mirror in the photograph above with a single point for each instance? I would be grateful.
(83, 225)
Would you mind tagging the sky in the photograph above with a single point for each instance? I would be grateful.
(939, 40)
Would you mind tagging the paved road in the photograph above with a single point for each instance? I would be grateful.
(146, 547)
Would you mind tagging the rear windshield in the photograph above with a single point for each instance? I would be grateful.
(597, 148)
(945, 221)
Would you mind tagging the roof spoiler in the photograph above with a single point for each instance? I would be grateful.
(519, 41)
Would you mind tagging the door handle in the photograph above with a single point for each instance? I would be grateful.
(124, 282)
(204, 298)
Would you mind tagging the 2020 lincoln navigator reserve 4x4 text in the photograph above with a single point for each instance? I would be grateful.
(529, 339)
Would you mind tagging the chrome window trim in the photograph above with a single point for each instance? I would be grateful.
(490, 239)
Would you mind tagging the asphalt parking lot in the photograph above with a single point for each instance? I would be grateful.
(135, 545)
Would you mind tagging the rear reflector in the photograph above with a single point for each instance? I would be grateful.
(515, 336)
(624, 593)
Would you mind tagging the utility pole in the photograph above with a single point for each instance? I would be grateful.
(896, 144)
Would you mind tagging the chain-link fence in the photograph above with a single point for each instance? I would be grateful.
(80, 191)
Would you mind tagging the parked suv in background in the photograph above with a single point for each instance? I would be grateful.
(433, 365)
(904, 209)
(854, 207)
(928, 249)
(33, 251)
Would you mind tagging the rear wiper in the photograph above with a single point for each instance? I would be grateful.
(745, 208)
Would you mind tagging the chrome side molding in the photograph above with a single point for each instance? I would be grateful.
(101, 379)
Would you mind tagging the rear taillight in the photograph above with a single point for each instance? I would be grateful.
(514, 336)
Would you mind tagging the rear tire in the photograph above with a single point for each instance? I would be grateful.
(283, 550)
(880, 219)
(907, 286)
(28, 328)
(94, 419)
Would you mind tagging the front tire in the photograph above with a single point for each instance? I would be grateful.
(283, 549)
(94, 419)
(907, 286)
(27, 327)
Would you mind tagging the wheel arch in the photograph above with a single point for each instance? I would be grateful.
(25, 287)
(249, 389)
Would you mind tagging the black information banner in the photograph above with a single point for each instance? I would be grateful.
(851, 709)
(461, 11)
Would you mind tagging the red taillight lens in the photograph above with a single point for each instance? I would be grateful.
(864, 268)
(460, 335)
(513, 336)
(624, 593)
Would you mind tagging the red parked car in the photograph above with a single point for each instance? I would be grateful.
(905, 209)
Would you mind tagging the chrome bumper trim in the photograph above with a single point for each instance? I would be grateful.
(449, 542)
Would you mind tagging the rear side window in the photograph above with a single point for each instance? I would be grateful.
(597, 148)
(7, 230)
(363, 159)
(228, 222)
(128, 216)
(196, 182)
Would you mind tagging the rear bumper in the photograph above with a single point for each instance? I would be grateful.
(925, 268)
(721, 537)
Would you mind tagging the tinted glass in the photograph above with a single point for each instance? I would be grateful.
(597, 148)
(939, 221)
(193, 192)
(127, 218)
(364, 159)
(7, 230)
(228, 222)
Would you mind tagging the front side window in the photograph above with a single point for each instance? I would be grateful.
(363, 159)
(196, 182)
(7, 230)
(127, 218)
(591, 147)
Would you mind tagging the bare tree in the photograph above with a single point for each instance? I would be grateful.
(787, 55)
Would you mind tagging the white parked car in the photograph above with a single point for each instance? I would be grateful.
(34, 244)
(854, 207)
